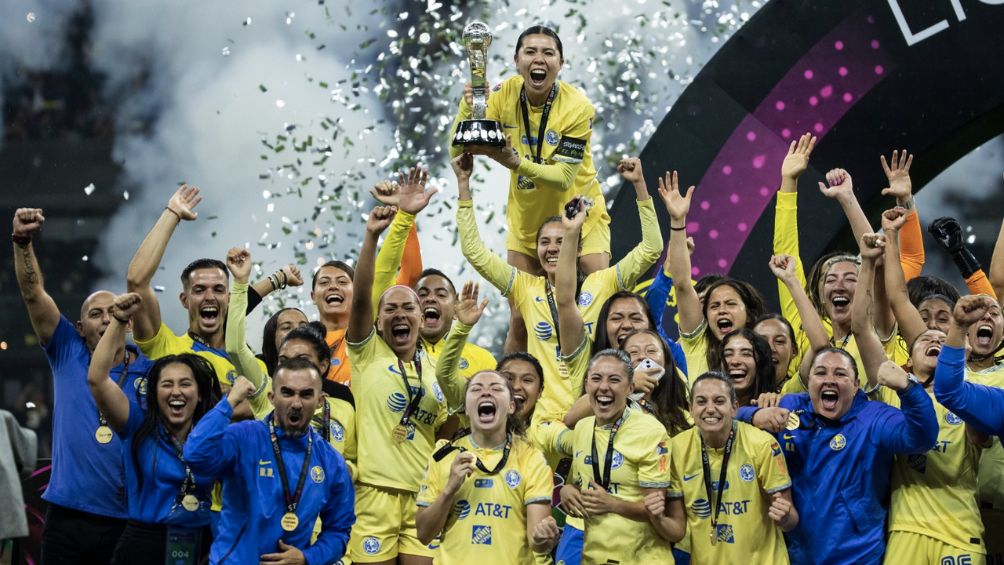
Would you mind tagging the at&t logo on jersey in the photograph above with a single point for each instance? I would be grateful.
(746, 473)
(397, 402)
(838, 442)
(371, 545)
(462, 509)
(513, 478)
(585, 299)
(543, 331)
(952, 419)
(481, 535)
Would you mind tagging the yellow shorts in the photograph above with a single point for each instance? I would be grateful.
(596, 240)
(908, 547)
(385, 526)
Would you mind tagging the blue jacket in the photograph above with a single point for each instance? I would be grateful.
(978, 405)
(840, 473)
(657, 296)
(241, 455)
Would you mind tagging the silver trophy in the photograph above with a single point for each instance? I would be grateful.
(478, 130)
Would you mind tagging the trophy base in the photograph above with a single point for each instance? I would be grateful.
(479, 132)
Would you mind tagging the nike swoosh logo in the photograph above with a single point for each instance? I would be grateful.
(263, 462)
(688, 477)
(507, 126)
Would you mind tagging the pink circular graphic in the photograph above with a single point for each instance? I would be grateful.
(848, 97)
(727, 170)
(779, 105)
(695, 272)
(870, 19)
(826, 91)
(758, 163)
(764, 191)
(713, 234)
(722, 263)
(693, 227)
(751, 136)
(705, 205)
(818, 128)
(842, 71)
(879, 70)
(875, 44)
(813, 101)
(742, 226)
(839, 45)
(807, 74)
(734, 197)
(786, 133)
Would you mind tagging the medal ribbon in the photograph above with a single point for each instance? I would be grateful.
(292, 500)
(324, 423)
(716, 502)
(187, 485)
(501, 464)
(413, 399)
(546, 113)
(608, 459)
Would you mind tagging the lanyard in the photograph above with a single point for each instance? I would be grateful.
(102, 421)
(543, 119)
(716, 502)
(199, 344)
(843, 342)
(187, 485)
(553, 307)
(608, 458)
(294, 499)
(501, 464)
(413, 398)
(324, 424)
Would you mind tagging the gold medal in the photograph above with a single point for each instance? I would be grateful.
(103, 434)
(289, 521)
(400, 434)
(190, 502)
(793, 422)
(714, 535)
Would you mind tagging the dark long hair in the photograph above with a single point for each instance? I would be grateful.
(522, 356)
(921, 287)
(669, 397)
(754, 309)
(541, 30)
(513, 423)
(763, 379)
(791, 334)
(154, 421)
(269, 352)
(602, 340)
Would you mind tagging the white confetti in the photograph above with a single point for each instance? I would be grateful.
(30, 17)
(125, 195)
(226, 51)
(280, 103)
(85, 258)
(89, 189)
(158, 288)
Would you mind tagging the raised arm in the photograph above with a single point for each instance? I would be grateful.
(147, 259)
(869, 346)
(786, 220)
(997, 265)
(111, 401)
(573, 332)
(948, 233)
(412, 198)
(911, 324)
(243, 358)
(213, 446)
(841, 188)
(897, 172)
(42, 308)
(979, 406)
(361, 315)
(785, 269)
(678, 205)
(914, 429)
(640, 259)
(287, 276)
(468, 311)
(489, 265)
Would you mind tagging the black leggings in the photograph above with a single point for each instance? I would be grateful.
(72, 536)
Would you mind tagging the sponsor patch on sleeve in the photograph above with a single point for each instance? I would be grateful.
(569, 150)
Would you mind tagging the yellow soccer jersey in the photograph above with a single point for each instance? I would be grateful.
(488, 521)
(756, 470)
(640, 461)
(473, 358)
(532, 198)
(934, 493)
(166, 343)
(381, 399)
(991, 471)
(338, 426)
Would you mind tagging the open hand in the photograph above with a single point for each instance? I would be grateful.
(677, 204)
(467, 310)
(184, 201)
(797, 160)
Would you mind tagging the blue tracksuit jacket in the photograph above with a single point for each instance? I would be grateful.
(241, 456)
(978, 405)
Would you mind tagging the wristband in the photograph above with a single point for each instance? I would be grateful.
(676, 228)
(177, 215)
(285, 279)
(120, 320)
(20, 240)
